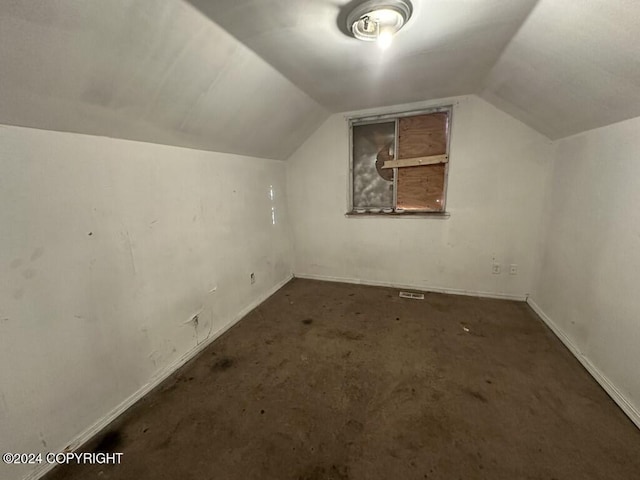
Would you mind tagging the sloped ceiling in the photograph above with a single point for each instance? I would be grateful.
(256, 77)
(156, 71)
(447, 48)
(573, 66)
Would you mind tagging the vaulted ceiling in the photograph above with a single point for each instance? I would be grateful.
(256, 77)
(573, 66)
(156, 71)
(446, 49)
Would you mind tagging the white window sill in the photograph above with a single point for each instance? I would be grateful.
(435, 215)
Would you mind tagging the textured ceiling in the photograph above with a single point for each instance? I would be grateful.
(156, 71)
(447, 48)
(256, 77)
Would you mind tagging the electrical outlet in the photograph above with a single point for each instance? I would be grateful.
(253, 278)
(496, 269)
(513, 269)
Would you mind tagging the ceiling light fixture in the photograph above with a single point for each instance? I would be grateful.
(379, 20)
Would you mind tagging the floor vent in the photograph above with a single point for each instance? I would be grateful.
(415, 296)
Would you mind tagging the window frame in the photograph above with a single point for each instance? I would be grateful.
(386, 118)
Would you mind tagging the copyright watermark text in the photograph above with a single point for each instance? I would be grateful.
(62, 458)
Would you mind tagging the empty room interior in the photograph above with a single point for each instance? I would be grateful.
(320, 239)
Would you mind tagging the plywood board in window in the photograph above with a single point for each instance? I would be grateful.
(422, 135)
(421, 188)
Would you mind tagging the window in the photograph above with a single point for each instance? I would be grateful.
(399, 163)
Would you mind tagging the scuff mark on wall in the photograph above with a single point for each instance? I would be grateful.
(29, 273)
(16, 263)
(37, 253)
(152, 356)
(131, 252)
(208, 332)
(194, 320)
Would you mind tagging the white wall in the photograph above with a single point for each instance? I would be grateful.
(107, 249)
(590, 271)
(498, 172)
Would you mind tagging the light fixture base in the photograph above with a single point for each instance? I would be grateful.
(374, 20)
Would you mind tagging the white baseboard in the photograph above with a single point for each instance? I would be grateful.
(626, 406)
(422, 288)
(156, 380)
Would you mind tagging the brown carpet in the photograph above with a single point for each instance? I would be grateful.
(334, 381)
